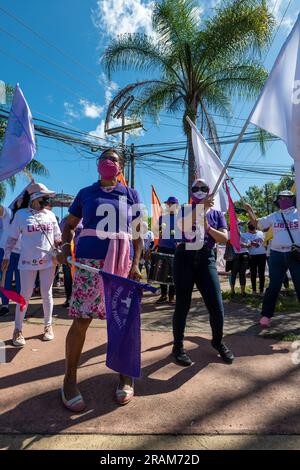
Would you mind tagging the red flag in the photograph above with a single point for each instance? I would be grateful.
(234, 229)
(15, 297)
(156, 213)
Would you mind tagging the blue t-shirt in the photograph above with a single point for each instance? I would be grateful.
(94, 200)
(166, 226)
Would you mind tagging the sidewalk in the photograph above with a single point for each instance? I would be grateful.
(208, 405)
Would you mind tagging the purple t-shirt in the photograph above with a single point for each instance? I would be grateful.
(216, 220)
(85, 206)
(166, 225)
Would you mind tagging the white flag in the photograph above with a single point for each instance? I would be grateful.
(209, 167)
(278, 107)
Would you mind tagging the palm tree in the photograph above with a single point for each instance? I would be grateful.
(198, 66)
(33, 168)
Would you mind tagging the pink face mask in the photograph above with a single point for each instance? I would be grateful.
(286, 203)
(108, 169)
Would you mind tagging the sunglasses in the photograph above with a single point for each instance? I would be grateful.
(204, 189)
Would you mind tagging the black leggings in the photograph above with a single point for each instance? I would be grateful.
(197, 267)
(258, 264)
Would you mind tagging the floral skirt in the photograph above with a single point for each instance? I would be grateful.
(86, 301)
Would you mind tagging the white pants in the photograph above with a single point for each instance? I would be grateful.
(27, 284)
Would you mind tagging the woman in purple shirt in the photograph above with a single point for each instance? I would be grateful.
(198, 266)
(107, 211)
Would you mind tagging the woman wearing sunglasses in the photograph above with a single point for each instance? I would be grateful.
(198, 266)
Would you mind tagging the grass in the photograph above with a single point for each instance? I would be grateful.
(282, 336)
(287, 301)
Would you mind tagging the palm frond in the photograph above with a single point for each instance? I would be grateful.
(36, 168)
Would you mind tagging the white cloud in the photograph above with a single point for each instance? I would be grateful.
(110, 88)
(70, 111)
(278, 8)
(91, 110)
(114, 17)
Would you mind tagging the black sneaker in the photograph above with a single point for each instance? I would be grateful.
(66, 304)
(4, 311)
(224, 352)
(162, 300)
(181, 357)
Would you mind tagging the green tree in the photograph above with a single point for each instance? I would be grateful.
(261, 198)
(34, 167)
(199, 66)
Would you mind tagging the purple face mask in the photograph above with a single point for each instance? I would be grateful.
(286, 203)
(108, 169)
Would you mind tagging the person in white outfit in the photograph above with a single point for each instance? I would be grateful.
(285, 249)
(39, 233)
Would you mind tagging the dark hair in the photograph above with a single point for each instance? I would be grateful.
(112, 150)
(24, 204)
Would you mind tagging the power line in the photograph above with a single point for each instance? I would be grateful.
(53, 46)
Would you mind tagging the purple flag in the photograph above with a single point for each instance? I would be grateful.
(19, 142)
(123, 302)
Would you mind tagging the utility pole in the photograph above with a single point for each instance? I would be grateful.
(132, 160)
(267, 197)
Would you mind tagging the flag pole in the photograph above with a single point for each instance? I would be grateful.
(232, 153)
(224, 171)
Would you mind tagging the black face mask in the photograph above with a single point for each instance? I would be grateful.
(251, 228)
(44, 202)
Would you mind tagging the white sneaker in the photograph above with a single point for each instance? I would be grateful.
(48, 333)
(18, 339)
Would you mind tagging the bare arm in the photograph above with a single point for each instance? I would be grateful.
(219, 235)
(67, 237)
(138, 246)
(1, 211)
(253, 218)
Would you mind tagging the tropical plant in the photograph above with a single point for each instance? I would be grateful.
(197, 65)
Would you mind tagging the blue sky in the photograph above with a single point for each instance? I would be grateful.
(57, 88)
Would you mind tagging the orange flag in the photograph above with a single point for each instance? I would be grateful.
(122, 180)
(156, 213)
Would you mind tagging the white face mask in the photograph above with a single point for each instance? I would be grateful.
(200, 195)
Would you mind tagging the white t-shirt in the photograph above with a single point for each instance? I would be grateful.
(148, 239)
(258, 238)
(30, 225)
(243, 240)
(6, 218)
(281, 240)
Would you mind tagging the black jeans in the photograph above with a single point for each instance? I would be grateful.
(164, 287)
(67, 280)
(197, 267)
(258, 264)
(239, 266)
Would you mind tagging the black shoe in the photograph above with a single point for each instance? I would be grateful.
(224, 352)
(162, 300)
(4, 311)
(66, 304)
(181, 357)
